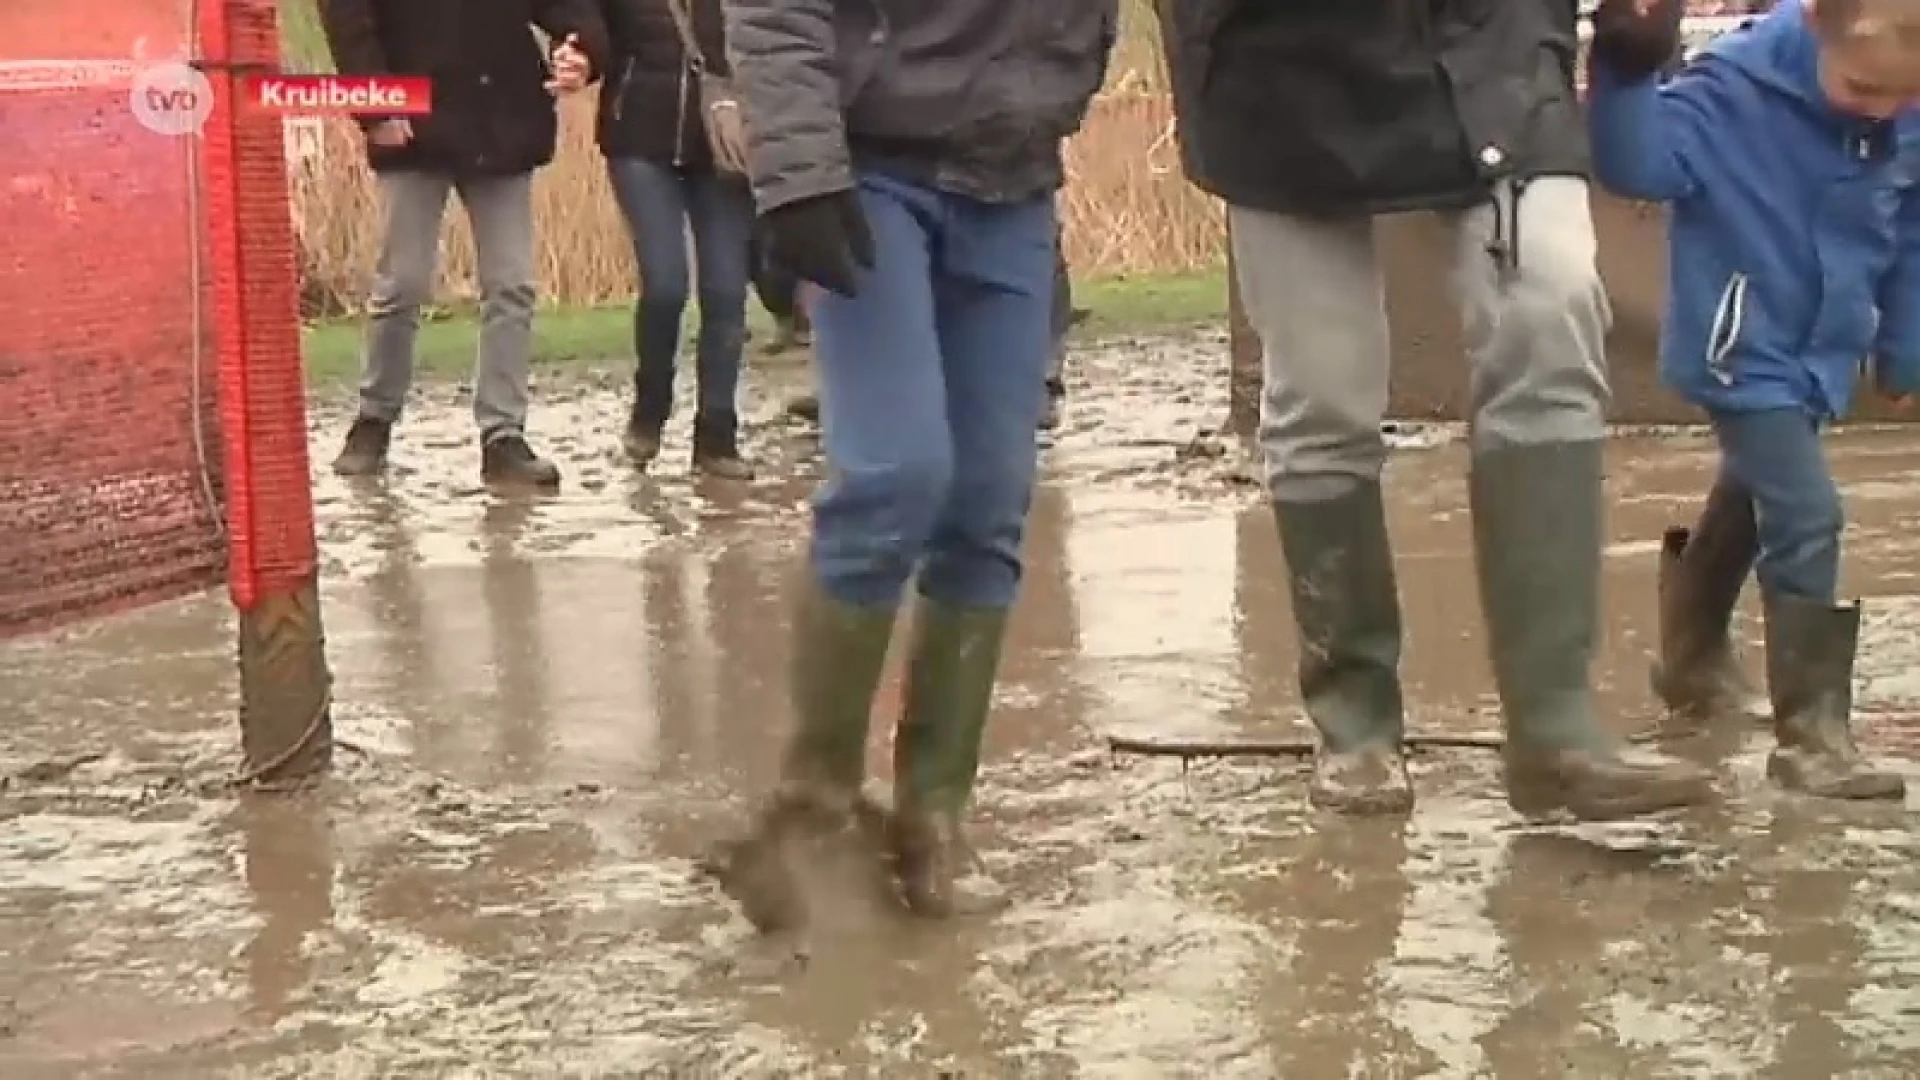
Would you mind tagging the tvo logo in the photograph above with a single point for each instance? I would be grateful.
(171, 99)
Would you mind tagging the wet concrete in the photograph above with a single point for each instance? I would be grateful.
(551, 708)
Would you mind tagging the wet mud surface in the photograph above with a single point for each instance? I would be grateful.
(550, 709)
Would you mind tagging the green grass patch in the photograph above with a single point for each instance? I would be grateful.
(595, 339)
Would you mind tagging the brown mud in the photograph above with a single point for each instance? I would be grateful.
(550, 709)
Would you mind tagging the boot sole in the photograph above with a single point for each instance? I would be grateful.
(1861, 787)
(1535, 798)
(354, 470)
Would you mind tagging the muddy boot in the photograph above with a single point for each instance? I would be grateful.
(716, 448)
(936, 756)
(641, 438)
(1810, 653)
(838, 653)
(805, 408)
(1698, 675)
(364, 452)
(509, 461)
(1537, 537)
(1346, 608)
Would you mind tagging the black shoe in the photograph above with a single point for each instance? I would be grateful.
(805, 408)
(716, 448)
(509, 460)
(364, 452)
(1056, 403)
(641, 440)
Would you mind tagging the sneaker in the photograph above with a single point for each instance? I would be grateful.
(509, 460)
(364, 453)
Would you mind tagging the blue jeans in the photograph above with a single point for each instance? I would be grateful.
(931, 387)
(659, 203)
(1775, 454)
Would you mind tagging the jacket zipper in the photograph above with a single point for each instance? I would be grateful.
(1728, 317)
(620, 91)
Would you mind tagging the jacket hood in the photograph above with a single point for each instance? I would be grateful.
(1780, 52)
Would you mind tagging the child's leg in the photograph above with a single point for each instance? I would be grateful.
(1776, 455)
(1702, 570)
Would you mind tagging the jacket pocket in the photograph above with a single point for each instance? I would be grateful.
(1729, 323)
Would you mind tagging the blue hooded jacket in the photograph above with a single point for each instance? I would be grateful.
(1794, 236)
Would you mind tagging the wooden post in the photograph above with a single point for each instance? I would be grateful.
(273, 561)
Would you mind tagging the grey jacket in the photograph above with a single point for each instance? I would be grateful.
(972, 97)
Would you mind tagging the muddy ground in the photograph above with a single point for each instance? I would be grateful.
(549, 710)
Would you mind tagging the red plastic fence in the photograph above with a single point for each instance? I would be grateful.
(150, 387)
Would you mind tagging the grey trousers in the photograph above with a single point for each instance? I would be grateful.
(500, 209)
(1534, 332)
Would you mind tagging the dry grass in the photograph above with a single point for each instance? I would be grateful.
(1127, 207)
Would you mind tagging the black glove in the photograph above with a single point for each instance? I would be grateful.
(1634, 39)
(824, 240)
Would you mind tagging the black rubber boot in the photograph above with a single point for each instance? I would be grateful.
(1810, 655)
(509, 461)
(364, 452)
(838, 654)
(1346, 609)
(1537, 539)
(716, 448)
(1698, 675)
(950, 680)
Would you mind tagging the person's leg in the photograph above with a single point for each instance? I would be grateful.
(993, 289)
(1314, 294)
(413, 203)
(653, 200)
(1811, 639)
(722, 214)
(889, 465)
(501, 211)
(1534, 315)
(1062, 321)
(1702, 569)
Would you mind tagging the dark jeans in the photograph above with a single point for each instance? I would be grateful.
(1777, 456)
(1062, 317)
(931, 387)
(660, 203)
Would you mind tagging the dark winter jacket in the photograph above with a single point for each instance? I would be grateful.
(492, 114)
(650, 102)
(1343, 106)
(972, 97)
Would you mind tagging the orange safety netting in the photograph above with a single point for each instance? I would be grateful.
(152, 421)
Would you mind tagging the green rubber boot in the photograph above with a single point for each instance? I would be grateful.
(838, 654)
(1810, 654)
(1537, 538)
(936, 756)
(1346, 610)
(1698, 675)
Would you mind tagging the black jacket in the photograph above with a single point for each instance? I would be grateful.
(972, 97)
(1372, 106)
(492, 114)
(650, 102)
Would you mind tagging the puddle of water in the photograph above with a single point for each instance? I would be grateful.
(555, 706)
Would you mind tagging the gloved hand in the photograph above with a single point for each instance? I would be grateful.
(1634, 39)
(824, 240)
